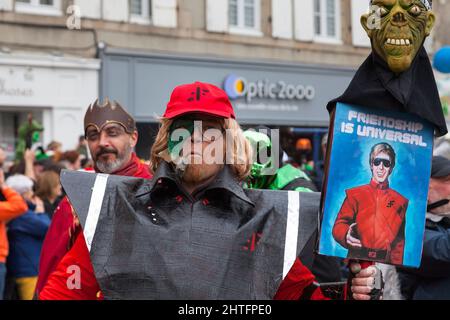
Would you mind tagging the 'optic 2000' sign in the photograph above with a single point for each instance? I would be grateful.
(238, 87)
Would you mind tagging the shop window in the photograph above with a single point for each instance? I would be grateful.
(141, 11)
(327, 21)
(43, 7)
(244, 17)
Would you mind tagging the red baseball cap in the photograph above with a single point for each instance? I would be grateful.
(199, 97)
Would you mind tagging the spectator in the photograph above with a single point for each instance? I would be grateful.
(26, 234)
(73, 160)
(320, 165)
(33, 168)
(82, 147)
(12, 207)
(326, 269)
(87, 164)
(303, 151)
(432, 280)
(2, 157)
(4, 163)
(442, 146)
(54, 149)
(49, 190)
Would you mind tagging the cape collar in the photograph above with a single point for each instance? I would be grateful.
(376, 86)
(225, 180)
(399, 85)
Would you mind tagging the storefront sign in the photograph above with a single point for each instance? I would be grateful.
(261, 92)
(14, 92)
(238, 87)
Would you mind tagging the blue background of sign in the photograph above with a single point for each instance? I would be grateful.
(349, 168)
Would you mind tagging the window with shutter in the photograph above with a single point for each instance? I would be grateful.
(327, 21)
(43, 7)
(6, 5)
(244, 17)
(141, 11)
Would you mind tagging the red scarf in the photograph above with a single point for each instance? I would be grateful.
(134, 168)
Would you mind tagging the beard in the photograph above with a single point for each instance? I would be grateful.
(112, 166)
(196, 173)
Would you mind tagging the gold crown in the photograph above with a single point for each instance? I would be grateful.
(99, 115)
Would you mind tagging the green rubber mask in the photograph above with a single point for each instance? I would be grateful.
(397, 29)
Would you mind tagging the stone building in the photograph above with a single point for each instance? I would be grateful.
(280, 60)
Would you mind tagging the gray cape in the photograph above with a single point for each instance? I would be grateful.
(191, 253)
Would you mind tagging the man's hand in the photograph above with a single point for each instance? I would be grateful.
(352, 241)
(29, 156)
(367, 284)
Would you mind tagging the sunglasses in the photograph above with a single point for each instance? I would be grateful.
(378, 161)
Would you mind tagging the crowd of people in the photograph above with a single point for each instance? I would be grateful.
(41, 236)
(30, 193)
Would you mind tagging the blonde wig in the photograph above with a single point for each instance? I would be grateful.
(238, 156)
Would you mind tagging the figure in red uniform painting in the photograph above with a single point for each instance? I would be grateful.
(371, 222)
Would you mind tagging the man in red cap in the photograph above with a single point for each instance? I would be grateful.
(111, 135)
(190, 224)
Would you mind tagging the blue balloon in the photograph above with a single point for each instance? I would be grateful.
(442, 60)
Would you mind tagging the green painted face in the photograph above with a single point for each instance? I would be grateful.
(399, 32)
(180, 130)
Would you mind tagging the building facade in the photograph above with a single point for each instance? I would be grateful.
(279, 60)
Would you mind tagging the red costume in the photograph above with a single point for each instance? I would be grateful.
(64, 229)
(57, 258)
(380, 216)
(298, 284)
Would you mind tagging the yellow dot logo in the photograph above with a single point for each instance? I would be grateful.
(240, 86)
(235, 86)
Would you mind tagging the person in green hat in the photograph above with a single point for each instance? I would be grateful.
(266, 172)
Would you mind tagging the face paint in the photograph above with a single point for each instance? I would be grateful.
(180, 130)
(400, 32)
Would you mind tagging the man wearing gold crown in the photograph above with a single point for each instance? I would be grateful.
(111, 135)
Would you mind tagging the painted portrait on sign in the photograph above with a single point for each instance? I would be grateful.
(371, 221)
(376, 186)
